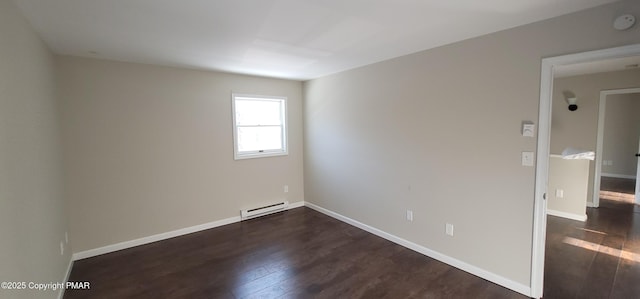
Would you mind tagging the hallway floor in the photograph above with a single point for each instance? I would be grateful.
(599, 258)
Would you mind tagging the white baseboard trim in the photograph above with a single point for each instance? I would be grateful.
(66, 278)
(590, 205)
(150, 239)
(162, 236)
(619, 176)
(296, 204)
(505, 282)
(571, 216)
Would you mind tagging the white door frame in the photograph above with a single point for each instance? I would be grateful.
(600, 139)
(542, 156)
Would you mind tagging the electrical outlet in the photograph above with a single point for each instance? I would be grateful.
(559, 193)
(449, 229)
(286, 188)
(409, 215)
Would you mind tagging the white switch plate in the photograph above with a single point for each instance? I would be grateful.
(559, 193)
(286, 188)
(527, 158)
(409, 215)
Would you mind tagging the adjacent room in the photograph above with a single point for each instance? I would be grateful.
(317, 149)
(592, 211)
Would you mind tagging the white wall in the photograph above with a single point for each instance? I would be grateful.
(438, 132)
(32, 209)
(579, 129)
(621, 133)
(149, 149)
(572, 177)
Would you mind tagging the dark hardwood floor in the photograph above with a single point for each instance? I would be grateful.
(299, 253)
(599, 258)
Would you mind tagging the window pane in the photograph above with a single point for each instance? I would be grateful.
(252, 112)
(259, 138)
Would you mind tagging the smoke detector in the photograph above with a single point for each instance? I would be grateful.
(624, 22)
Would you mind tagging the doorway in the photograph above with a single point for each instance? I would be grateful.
(586, 257)
(627, 139)
(543, 149)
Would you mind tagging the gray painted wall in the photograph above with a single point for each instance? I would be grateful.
(33, 221)
(438, 132)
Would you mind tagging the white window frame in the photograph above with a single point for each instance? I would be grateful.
(260, 153)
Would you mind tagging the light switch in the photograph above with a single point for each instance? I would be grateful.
(527, 158)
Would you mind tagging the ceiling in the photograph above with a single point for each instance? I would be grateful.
(293, 39)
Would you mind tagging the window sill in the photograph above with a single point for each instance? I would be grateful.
(259, 155)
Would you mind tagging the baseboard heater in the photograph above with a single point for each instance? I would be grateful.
(266, 210)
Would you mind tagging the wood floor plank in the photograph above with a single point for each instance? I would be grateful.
(599, 258)
(299, 253)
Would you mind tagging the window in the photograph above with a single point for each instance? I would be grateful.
(259, 126)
